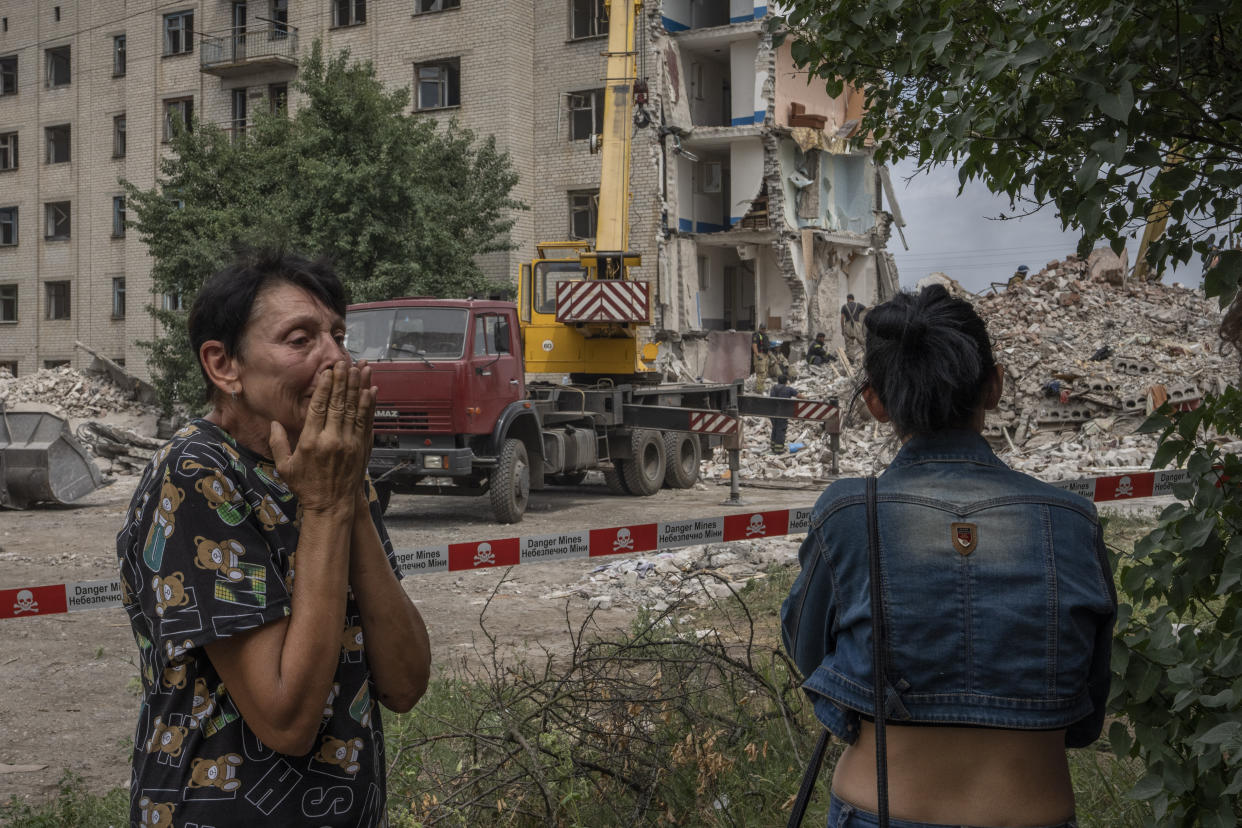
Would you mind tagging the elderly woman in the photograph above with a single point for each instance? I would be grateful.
(259, 579)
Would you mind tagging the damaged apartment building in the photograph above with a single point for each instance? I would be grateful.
(748, 204)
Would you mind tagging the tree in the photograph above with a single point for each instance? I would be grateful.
(400, 205)
(1109, 111)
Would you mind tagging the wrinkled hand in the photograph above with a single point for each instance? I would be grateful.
(326, 469)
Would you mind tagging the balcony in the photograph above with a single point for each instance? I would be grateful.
(236, 52)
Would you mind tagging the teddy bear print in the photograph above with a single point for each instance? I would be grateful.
(175, 652)
(222, 496)
(163, 523)
(351, 639)
(155, 813)
(203, 703)
(169, 592)
(343, 754)
(167, 738)
(269, 513)
(220, 556)
(220, 772)
(332, 694)
(175, 674)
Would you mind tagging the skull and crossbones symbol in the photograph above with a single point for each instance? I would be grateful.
(623, 541)
(25, 603)
(756, 527)
(484, 555)
(1125, 488)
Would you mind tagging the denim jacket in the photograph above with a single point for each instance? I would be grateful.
(996, 586)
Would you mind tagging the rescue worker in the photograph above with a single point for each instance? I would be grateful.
(852, 328)
(817, 354)
(782, 388)
(759, 346)
(778, 362)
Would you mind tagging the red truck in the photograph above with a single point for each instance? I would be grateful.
(456, 416)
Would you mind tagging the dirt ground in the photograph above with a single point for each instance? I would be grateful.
(68, 682)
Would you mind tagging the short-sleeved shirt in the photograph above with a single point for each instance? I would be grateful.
(208, 551)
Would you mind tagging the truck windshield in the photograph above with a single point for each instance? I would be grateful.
(406, 333)
(547, 276)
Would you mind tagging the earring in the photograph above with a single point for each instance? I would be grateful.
(233, 394)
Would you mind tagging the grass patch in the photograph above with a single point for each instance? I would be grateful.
(72, 806)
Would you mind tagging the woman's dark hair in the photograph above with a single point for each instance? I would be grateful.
(928, 359)
(224, 304)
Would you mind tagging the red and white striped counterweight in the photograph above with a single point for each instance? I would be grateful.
(603, 300)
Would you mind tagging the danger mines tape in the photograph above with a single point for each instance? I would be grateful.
(54, 599)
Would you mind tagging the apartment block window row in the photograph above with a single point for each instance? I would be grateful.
(118, 56)
(438, 84)
(58, 143)
(8, 226)
(424, 6)
(8, 305)
(118, 297)
(588, 19)
(179, 33)
(586, 114)
(56, 214)
(56, 300)
(8, 75)
(118, 217)
(349, 12)
(177, 111)
(118, 136)
(58, 67)
(8, 150)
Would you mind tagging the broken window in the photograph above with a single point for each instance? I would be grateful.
(173, 302)
(8, 150)
(349, 12)
(8, 308)
(8, 75)
(239, 113)
(178, 112)
(179, 33)
(57, 143)
(118, 56)
(586, 114)
(118, 297)
(439, 84)
(9, 365)
(280, 19)
(57, 220)
(118, 136)
(583, 212)
(118, 217)
(589, 18)
(278, 98)
(423, 6)
(55, 363)
(58, 73)
(56, 300)
(8, 226)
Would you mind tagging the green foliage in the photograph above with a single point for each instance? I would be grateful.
(1176, 656)
(401, 205)
(73, 806)
(1104, 109)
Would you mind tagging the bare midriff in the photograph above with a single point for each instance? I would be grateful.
(962, 776)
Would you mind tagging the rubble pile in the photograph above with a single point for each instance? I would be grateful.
(70, 393)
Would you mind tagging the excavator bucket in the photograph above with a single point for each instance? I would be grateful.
(41, 461)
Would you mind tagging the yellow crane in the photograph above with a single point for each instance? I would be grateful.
(578, 306)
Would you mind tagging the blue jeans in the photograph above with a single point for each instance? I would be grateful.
(841, 814)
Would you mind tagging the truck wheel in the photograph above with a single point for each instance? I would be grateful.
(644, 472)
(510, 484)
(569, 478)
(383, 494)
(684, 455)
(615, 480)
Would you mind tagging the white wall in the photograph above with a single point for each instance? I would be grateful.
(746, 171)
(742, 55)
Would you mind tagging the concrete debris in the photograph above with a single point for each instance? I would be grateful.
(70, 393)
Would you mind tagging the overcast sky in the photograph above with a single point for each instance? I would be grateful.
(954, 235)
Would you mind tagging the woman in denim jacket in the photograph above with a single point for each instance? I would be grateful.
(997, 591)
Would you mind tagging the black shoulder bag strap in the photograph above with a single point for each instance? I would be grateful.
(878, 661)
(808, 780)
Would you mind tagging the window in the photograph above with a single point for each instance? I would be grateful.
(118, 217)
(118, 136)
(349, 12)
(56, 14)
(179, 33)
(9, 365)
(8, 226)
(278, 98)
(58, 67)
(55, 363)
(118, 56)
(239, 113)
(57, 220)
(172, 302)
(57, 300)
(118, 297)
(704, 280)
(491, 335)
(8, 305)
(57, 144)
(177, 111)
(583, 206)
(8, 150)
(423, 6)
(589, 19)
(280, 19)
(439, 84)
(8, 75)
(586, 114)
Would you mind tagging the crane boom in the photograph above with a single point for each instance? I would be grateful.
(613, 224)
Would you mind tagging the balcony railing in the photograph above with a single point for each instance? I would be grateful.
(237, 51)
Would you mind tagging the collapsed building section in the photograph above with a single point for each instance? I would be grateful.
(769, 213)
